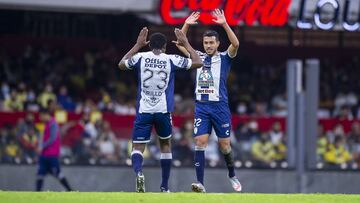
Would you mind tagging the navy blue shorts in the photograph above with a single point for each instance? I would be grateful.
(210, 115)
(145, 121)
(48, 165)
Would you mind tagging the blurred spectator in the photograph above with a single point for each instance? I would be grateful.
(22, 93)
(338, 130)
(46, 95)
(29, 142)
(242, 146)
(276, 134)
(31, 105)
(253, 130)
(3, 141)
(87, 151)
(13, 103)
(354, 142)
(73, 132)
(241, 108)
(108, 145)
(121, 107)
(260, 109)
(246, 134)
(184, 105)
(87, 107)
(182, 144)
(5, 91)
(322, 143)
(105, 103)
(263, 151)
(347, 98)
(124, 108)
(344, 113)
(65, 100)
(278, 140)
(280, 151)
(279, 105)
(11, 150)
(337, 154)
(28, 136)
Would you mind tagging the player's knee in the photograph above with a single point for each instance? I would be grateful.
(225, 150)
(138, 147)
(200, 142)
(165, 146)
(225, 147)
(165, 142)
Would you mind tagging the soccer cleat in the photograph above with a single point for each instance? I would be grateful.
(140, 182)
(235, 183)
(198, 187)
(162, 189)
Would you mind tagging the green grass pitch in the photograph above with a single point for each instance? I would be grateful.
(126, 197)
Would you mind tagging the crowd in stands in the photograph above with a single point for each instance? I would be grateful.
(92, 83)
(86, 142)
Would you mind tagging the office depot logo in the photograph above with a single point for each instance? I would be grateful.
(265, 12)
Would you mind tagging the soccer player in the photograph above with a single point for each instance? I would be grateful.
(211, 107)
(155, 97)
(49, 151)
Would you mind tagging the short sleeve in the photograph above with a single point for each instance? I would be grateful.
(227, 55)
(180, 62)
(227, 60)
(133, 61)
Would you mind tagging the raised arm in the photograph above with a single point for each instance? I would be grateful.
(140, 43)
(183, 42)
(221, 20)
(191, 20)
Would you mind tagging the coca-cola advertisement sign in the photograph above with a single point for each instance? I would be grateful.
(306, 14)
(268, 13)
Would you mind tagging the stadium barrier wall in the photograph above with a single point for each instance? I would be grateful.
(112, 179)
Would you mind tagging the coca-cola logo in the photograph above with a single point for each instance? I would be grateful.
(266, 12)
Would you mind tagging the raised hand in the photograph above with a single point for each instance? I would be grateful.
(191, 20)
(141, 40)
(181, 38)
(219, 17)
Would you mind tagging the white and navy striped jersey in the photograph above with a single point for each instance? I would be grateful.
(211, 78)
(156, 80)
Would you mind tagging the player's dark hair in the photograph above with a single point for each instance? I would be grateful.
(211, 33)
(157, 41)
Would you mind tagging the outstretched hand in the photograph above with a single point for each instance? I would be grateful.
(141, 40)
(192, 19)
(219, 17)
(181, 38)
